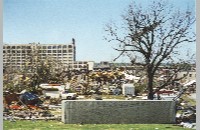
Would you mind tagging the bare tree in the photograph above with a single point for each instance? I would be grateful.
(155, 34)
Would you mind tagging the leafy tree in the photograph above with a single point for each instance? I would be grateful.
(139, 88)
(45, 71)
(34, 71)
(151, 36)
(9, 74)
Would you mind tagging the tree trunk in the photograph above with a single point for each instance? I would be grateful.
(150, 86)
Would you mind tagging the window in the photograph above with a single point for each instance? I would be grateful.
(49, 47)
(64, 51)
(69, 46)
(190, 75)
(49, 51)
(70, 50)
(44, 47)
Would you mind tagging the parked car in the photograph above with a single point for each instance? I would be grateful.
(69, 96)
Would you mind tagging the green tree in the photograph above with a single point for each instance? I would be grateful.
(9, 74)
(45, 71)
(34, 71)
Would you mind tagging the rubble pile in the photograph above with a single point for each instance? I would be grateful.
(34, 113)
(31, 108)
(186, 115)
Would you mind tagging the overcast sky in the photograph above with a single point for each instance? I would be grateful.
(58, 21)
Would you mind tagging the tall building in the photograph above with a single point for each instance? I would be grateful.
(17, 55)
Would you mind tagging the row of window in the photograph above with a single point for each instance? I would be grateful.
(20, 63)
(190, 75)
(43, 47)
(40, 51)
(16, 47)
(25, 59)
(80, 66)
(41, 54)
(81, 62)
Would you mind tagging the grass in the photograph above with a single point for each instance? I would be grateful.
(56, 125)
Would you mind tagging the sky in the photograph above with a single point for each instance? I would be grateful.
(58, 21)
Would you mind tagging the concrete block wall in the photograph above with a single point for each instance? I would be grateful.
(117, 112)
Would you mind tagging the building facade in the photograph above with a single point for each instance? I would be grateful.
(19, 55)
(188, 76)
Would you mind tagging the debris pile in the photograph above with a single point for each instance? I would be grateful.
(32, 113)
(28, 106)
(186, 115)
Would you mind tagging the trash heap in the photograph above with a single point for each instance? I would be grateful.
(186, 115)
(28, 106)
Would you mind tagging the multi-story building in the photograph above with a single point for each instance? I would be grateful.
(19, 55)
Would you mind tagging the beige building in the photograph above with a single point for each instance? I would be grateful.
(17, 55)
(189, 76)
